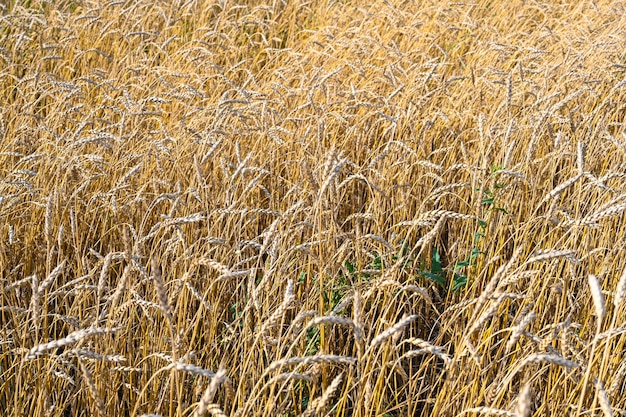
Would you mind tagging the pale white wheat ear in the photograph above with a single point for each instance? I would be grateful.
(92, 388)
(620, 291)
(67, 340)
(522, 408)
(603, 398)
(398, 327)
(206, 403)
(519, 330)
(488, 411)
(600, 307)
(580, 157)
(35, 301)
(51, 277)
(288, 300)
(598, 298)
(160, 290)
(316, 408)
(550, 359)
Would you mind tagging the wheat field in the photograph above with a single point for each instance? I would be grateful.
(312, 208)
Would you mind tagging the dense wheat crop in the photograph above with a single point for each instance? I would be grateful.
(311, 208)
